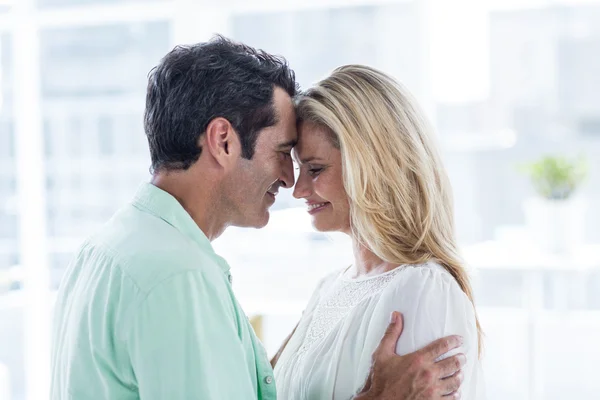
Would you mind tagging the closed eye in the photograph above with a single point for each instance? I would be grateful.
(315, 171)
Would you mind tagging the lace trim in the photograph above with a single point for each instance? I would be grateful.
(340, 299)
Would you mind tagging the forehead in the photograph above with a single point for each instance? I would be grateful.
(314, 140)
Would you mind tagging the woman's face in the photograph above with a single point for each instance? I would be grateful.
(320, 181)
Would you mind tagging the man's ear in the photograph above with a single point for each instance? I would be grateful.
(221, 141)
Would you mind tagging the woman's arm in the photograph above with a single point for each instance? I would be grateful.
(402, 377)
(285, 342)
(309, 308)
(433, 307)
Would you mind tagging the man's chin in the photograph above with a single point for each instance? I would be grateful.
(263, 221)
(257, 221)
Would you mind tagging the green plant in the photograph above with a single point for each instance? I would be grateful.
(556, 177)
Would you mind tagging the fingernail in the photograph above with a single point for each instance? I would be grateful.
(393, 318)
(463, 359)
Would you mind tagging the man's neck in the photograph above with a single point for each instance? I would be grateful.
(200, 200)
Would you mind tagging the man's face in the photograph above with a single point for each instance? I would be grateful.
(255, 183)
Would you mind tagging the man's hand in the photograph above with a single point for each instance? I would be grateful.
(415, 376)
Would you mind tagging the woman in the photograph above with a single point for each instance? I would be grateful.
(369, 168)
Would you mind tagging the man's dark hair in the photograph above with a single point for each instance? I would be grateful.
(194, 84)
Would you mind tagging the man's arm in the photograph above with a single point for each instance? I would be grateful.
(415, 376)
(184, 344)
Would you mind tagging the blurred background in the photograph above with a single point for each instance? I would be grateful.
(512, 86)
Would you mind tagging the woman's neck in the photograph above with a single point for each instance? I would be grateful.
(367, 263)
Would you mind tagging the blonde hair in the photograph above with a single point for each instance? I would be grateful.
(400, 196)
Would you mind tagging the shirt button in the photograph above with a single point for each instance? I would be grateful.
(269, 380)
(230, 279)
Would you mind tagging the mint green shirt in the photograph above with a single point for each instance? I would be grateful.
(146, 311)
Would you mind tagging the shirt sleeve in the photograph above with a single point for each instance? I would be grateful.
(433, 306)
(184, 343)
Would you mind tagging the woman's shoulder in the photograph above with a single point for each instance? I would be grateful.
(432, 304)
(426, 280)
(431, 273)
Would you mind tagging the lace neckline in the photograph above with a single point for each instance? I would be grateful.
(338, 300)
(345, 275)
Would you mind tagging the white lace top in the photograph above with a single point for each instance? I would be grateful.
(329, 355)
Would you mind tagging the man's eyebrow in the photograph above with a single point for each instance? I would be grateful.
(288, 144)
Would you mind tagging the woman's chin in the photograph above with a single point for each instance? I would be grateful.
(322, 225)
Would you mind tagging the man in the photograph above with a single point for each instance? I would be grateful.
(146, 310)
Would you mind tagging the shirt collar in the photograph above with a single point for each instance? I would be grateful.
(163, 205)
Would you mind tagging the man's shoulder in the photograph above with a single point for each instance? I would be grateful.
(147, 249)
